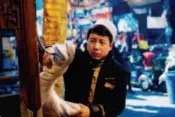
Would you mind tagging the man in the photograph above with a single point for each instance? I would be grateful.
(94, 79)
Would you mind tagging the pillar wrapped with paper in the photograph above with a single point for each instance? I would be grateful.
(55, 22)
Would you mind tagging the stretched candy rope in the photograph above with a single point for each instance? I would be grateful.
(48, 78)
(54, 21)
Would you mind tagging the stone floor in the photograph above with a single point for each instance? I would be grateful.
(148, 104)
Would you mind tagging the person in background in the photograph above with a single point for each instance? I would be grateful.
(122, 46)
(94, 79)
(136, 53)
(80, 39)
(121, 43)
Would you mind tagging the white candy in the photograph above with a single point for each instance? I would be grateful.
(49, 77)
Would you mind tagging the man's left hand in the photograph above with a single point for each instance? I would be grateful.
(85, 112)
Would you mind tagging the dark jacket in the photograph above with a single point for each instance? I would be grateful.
(78, 82)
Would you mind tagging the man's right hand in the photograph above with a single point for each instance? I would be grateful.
(47, 61)
(66, 50)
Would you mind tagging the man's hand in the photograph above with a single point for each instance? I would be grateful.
(85, 112)
(64, 53)
(47, 61)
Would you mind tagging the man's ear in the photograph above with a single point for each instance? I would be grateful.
(112, 45)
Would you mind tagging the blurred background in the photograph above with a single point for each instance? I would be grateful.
(145, 39)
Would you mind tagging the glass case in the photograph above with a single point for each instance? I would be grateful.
(9, 81)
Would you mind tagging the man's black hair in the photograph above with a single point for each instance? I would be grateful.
(100, 30)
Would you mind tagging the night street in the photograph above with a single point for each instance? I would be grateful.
(148, 104)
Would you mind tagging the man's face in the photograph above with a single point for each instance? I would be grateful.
(98, 46)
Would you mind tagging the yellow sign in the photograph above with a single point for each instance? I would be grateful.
(55, 21)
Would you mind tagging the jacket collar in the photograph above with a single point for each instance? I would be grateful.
(96, 63)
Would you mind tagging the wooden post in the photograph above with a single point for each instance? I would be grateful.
(28, 57)
(1, 58)
(20, 16)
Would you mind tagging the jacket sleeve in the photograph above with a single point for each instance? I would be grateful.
(115, 103)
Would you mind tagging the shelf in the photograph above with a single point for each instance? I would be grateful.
(8, 95)
(8, 77)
